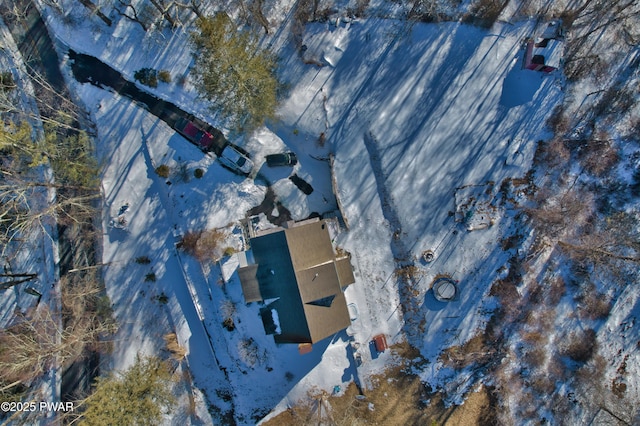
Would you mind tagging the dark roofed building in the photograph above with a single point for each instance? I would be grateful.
(295, 271)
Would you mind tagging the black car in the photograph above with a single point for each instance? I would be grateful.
(282, 159)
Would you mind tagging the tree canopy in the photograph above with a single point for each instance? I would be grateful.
(234, 73)
(139, 396)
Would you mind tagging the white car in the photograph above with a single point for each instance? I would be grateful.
(235, 160)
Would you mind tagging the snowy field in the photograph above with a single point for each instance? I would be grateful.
(411, 112)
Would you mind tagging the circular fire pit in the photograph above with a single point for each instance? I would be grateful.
(428, 256)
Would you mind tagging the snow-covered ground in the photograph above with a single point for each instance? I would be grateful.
(411, 112)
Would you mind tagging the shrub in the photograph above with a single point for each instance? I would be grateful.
(162, 298)
(198, 173)
(189, 241)
(484, 12)
(475, 351)
(177, 352)
(150, 277)
(595, 306)
(6, 81)
(163, 171)
(559, 121)
(147, 76)
(581, 346)
(535, 357)
(408, 273)
(228, 324)
(203, 245)
(164, 76)
(557, 289)
(543, 385)
(618, 387)
(598, 157)
(143, 260)
(248, 352)
(227, 308)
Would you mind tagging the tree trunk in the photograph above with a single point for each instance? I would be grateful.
(95, 9)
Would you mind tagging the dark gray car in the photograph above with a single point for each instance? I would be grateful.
(282, 159)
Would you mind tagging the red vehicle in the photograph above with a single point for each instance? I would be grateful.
(194, 134)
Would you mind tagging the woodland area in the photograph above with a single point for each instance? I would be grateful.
(577, 241)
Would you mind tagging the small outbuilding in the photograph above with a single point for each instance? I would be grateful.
(545, 52)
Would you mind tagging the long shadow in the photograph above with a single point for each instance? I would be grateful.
(87, 69)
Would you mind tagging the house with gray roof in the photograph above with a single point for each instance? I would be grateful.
(295, 272)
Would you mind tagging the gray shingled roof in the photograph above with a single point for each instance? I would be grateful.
(297, 266)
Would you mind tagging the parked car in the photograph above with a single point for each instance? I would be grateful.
(235, 160)
(282, 159)
(194, 134)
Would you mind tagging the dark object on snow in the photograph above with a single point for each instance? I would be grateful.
(542, 42)
(282, 159)
(301, 184)
(428, 256)
(537, 60)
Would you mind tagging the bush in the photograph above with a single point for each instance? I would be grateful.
(164, 76)
(163, 171)
(203, 245)
(147, 76)
(581, 346)
(6, 81)
(484, 12)
(162, 298)
(198, 173)
(594, 306)
(248, 352)
(599, 157)
(228, 324)
(143, 260)
(177, 352)
(150, 277)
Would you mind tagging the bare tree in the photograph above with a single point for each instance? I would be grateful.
(126, 9)
(43, 338)
(96, 10)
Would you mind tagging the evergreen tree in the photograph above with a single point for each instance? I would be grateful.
(234, 73)
(139, 396)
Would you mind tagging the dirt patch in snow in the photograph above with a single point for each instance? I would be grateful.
(268, 206)
(397, 398)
